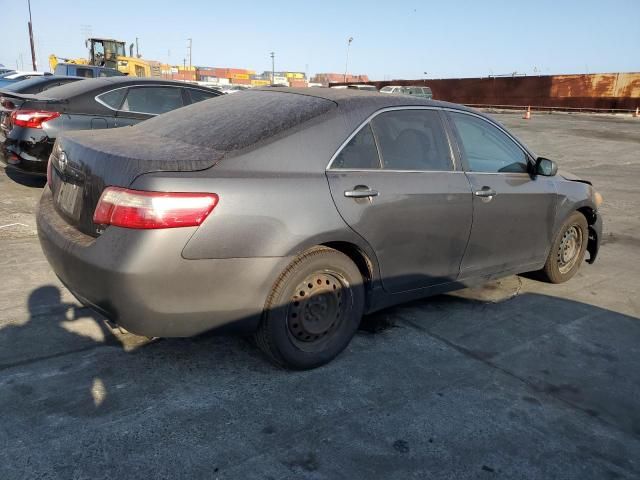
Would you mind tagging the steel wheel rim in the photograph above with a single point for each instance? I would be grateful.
(317, 309)
(570, 248)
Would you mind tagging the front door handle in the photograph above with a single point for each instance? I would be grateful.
(485, 192)
(368, 193)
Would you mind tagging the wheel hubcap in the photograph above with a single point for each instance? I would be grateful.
(317, 307)
(570, 247)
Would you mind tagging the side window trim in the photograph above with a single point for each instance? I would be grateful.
(458, 142)
(455, 166)
(97, 97)
(105, 104)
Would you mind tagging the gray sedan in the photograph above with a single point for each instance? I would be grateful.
(291, 213)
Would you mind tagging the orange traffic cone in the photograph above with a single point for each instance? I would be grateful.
(637, 113)
(527, 114)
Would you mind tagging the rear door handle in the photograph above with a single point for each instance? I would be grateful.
(485, 192)
(361, 193)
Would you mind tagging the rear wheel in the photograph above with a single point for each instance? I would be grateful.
(568, 249)
(313, 311)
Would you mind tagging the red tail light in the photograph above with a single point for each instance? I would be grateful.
(138, 209)
(32, 118)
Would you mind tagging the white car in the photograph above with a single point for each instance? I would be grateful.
(234, 88)
(392, 89)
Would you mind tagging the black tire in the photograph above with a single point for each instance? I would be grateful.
(558, 268)
(313, 311)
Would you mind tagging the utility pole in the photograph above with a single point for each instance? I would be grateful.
(190, 44)
(273, 68)
(33, 50)
(346, 65)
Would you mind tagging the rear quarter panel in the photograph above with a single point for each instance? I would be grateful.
(274, 198)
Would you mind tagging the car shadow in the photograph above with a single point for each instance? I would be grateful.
(494, 332)
(545, 352)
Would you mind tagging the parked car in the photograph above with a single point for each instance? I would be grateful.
(234, 88)
(85, 71)
(11, 77)
(13, 95)
(368, 88)
(392, 89)
(28, 134)
(422, 92)
(290, 213)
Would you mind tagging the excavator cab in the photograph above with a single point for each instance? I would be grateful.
(104, 52)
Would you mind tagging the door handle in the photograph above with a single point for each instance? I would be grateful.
(485, 192)
(361, 193)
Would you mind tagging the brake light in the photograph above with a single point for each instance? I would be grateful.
(144, 210)
(32, 118)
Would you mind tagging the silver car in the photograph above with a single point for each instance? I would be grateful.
(291, 213)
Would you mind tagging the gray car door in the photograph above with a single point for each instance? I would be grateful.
(513, 212)
(395, 184)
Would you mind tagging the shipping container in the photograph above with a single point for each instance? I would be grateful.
(240, 76)
(260, 83)
(241, 81)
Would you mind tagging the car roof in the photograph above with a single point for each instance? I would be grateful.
(351, 98)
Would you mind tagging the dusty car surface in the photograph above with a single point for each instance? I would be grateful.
(291, 213)
(27, 135)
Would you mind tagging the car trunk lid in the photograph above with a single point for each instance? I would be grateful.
(84, 163)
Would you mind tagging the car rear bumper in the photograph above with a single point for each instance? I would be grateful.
(139, 280)
(26, 149)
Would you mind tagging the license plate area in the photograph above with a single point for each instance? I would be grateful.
(69, 199)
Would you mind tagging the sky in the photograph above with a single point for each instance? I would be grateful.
(391, 40)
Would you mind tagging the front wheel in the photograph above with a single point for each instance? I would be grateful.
(313, 311)
(568, 249)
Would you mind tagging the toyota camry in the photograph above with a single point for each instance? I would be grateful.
(291, 213)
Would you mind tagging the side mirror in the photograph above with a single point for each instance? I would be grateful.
(546, 167)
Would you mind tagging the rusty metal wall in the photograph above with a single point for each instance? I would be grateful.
(606, 91)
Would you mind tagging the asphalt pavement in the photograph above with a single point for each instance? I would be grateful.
(517, 379)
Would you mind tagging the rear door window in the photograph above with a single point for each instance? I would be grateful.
(412, 139)
(113, 99)
(360, 153)
(152, 100)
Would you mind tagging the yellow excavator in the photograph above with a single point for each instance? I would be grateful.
(110, 53)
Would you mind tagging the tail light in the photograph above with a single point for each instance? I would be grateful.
(32, 118)
(145, 210)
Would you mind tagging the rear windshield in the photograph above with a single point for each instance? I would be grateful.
(234, 122)
(24, 84)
